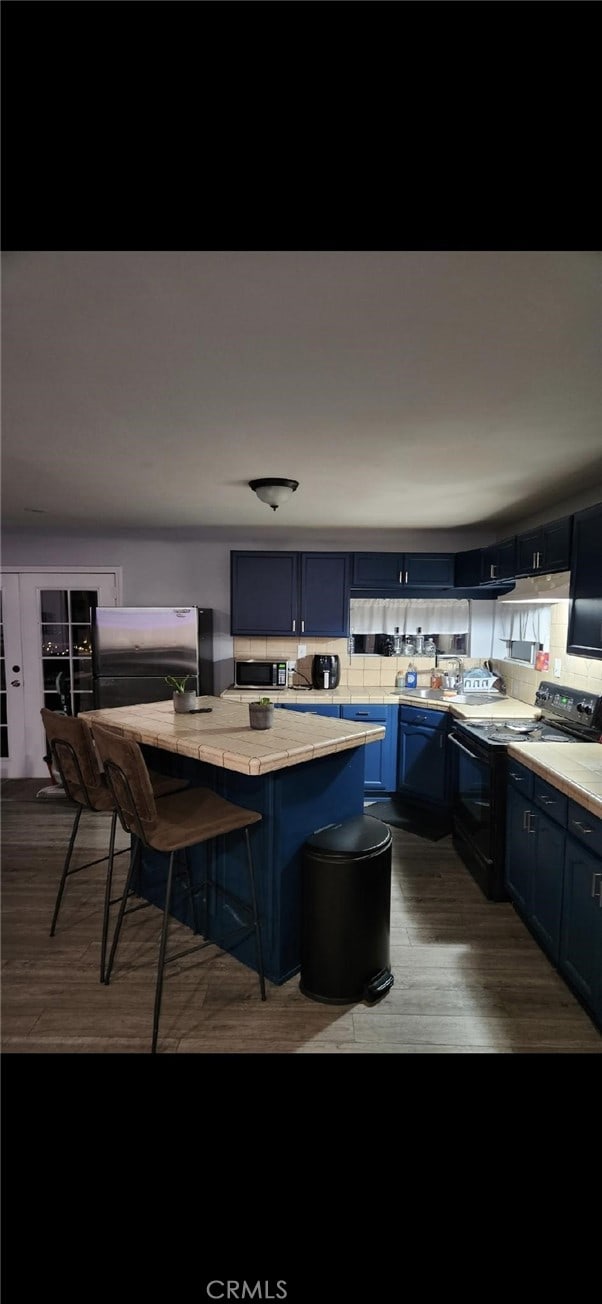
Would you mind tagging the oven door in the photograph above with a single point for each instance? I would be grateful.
(472, 793)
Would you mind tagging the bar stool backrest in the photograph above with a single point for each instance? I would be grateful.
(73, 751)
(128, 776)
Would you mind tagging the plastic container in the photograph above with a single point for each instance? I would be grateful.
(411, 678)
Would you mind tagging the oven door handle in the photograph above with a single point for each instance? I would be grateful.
(457, 743)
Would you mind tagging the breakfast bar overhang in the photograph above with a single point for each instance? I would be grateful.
(303, 774)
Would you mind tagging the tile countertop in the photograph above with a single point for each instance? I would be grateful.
(507, 708)
(576, 769)
(224, 736)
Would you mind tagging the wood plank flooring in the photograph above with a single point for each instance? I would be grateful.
(469, 978)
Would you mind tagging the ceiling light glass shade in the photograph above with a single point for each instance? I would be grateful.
(273, 491)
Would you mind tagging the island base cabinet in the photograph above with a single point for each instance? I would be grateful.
(581, 933)
(294, 802)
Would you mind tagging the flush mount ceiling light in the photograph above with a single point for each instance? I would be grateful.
(273, 491)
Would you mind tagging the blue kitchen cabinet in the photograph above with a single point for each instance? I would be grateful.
(468, 568)
(380, 757)
(399, 570)
(581, 932)
(585, 612)
(535, 842)
(290, 593)
(498, 561)
(422, 770)
(545, 549)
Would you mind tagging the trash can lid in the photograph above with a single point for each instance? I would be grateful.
(356, 836)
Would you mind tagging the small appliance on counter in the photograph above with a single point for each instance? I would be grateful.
(325, 671)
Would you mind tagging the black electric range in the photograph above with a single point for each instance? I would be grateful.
(479, 751)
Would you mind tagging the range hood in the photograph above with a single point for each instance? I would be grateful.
(540, 588)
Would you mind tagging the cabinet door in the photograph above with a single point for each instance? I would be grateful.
(581, 929)
(585, 617)
(372, 570)
(422, 768)
(557, 544)
(520, 850)
(429, 568)
(548, 873)
(506, 559)
(468, 568)
(381, 757)
(325, 594)
(527, 548)
(264, 593)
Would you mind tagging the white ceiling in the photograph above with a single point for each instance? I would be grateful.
(403, 390)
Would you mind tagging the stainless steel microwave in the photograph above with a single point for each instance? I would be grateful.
(260, 674)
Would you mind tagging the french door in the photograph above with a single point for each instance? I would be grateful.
(46, 655)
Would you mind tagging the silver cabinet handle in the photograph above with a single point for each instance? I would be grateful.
(441, 741)
(531, 816)
(597, 874)
(294, 626)
(519, 777)
(406, 578)
(533, 561)
(579, 825)
(361, 714)
(492, 570)
(538, 560)
(302, 626)
(546, 801)
(527, 822)
(401, 577)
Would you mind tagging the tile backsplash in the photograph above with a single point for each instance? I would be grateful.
(374, 671)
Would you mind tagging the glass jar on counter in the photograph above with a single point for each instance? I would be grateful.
(430, 647)
(408, 648)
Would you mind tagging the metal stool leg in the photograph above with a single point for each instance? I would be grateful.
(109, 880)
(255, 918)
(78, 815)
(191, 893)
(161, 964)
(123, 903)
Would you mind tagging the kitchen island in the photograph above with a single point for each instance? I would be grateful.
(304, 773)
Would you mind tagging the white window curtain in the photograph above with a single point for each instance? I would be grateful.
(522, 622)
(432, 616)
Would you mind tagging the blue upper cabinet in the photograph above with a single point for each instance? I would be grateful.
(398, 570)
(289, 593)
(325, 593)
(585, 616)
(544, 549)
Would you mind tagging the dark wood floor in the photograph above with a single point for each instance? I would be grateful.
(469, 978)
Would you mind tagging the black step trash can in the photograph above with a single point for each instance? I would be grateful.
(346, 912)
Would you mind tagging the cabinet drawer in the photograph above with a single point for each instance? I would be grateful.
(553, 801)
(520, 777)
(377, 714)
(417, 715)
(585, 827)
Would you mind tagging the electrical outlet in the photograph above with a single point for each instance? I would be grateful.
(301, 649)
(557, 667)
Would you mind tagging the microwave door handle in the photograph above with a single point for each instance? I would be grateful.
(473, 756)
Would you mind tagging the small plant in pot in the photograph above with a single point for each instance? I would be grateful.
(261, 713)
(183, 699)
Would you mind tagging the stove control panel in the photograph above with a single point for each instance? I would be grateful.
(568, 704)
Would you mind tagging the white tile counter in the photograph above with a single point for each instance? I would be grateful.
(574, 768)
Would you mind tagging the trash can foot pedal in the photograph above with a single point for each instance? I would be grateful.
(378, 986)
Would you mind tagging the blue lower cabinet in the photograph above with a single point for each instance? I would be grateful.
(422, 755)
(581, 933)
(380, 757)
(535, 857)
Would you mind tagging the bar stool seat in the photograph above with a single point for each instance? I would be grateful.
(72, 748)
(178, 822)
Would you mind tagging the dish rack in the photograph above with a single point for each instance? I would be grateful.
(478, 681)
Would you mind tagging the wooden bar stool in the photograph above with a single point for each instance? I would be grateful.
(72, 749)
(173, 825)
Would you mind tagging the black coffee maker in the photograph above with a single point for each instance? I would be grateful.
(325, 671)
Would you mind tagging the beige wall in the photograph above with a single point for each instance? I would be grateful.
(375, 672)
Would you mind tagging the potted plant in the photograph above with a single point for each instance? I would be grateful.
(183, 699)
(261, 713)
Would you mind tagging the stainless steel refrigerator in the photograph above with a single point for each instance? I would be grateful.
(134, 648)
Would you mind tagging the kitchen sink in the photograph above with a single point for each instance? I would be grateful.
(441, 695)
